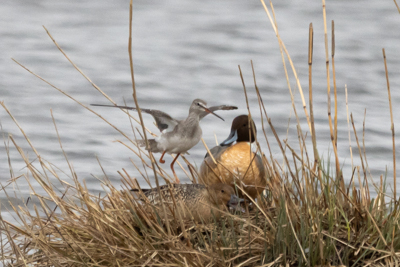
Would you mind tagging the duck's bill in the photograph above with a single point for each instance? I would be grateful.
(231, 138)
(209, 111)
(234, 201)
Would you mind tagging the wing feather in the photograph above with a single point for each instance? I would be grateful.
(163, 120)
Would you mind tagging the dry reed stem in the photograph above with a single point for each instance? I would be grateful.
(262, 108)
(95, 86)
(248, 107)
(361, 158)
(282, 46)
(134, 87)
(77, 101)
(81, 72)
(348, 127)
(208, 151)
(249, 117)
(61, 91)
(59, 141)
(134, 133)
(140, 113)
(287, 80)
(19, 127)
(398, 8)
(313, 135)
(328, 81)
(294, 233)
(245, 91)
(391, 126)
(334, 81)
(180, 165)
(365, 154)
(310, 93)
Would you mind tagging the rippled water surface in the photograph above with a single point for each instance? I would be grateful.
(184, 50)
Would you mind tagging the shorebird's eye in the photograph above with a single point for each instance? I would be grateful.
(222, 191)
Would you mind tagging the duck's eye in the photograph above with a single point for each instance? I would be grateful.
(222, 191)
(244, 125)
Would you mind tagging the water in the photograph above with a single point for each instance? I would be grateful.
(184, 50)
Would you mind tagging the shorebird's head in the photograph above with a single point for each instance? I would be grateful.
(198, 106)
(243, 130)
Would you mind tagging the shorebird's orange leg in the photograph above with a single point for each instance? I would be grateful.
(173, 171)
(161, 159)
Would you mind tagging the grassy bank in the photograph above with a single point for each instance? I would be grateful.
(307, 217)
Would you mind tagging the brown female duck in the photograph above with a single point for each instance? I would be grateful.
(236, 163)
(193, 201)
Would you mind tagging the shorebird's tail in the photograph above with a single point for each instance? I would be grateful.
(152, 144)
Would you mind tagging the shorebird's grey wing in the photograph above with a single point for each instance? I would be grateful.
(163, 120)
(215, 108)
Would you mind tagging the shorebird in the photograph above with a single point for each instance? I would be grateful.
(236, 163)
(193, 201)
(177, 136)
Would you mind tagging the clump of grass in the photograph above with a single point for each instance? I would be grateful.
(308, 216)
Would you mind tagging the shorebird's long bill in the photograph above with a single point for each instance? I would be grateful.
(209, 111)
(231, 138)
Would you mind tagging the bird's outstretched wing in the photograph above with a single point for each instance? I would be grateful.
(163, 120)
(214, 108)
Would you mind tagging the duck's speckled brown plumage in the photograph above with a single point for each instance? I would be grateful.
(193, 201)
(236, 161)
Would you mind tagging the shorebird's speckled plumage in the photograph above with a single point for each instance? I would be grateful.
(236, 161)
(177, 136)
(193, 201)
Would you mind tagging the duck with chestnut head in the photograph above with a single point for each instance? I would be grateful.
(236, 163)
